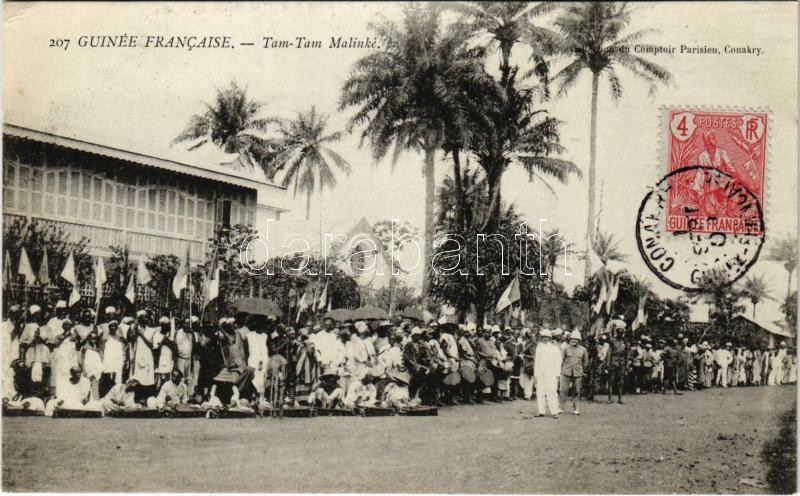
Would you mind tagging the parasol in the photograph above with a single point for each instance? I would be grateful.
(339, 314)
(257, 306)
(370, 313)
(412, 313)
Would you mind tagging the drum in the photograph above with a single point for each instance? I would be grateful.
(468, 372)
(486, 377)
(452, 379)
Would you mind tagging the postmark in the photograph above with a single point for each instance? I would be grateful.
(682, 258)
(734, 143)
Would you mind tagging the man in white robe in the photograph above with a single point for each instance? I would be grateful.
(10, 334)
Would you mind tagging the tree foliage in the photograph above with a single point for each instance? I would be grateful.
(38, 237)
(789, 309)
(305, 156)
(234, 124)
(471, 272)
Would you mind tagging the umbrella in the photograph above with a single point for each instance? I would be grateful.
(339, 314)
(412, 313)
(258, 306)
(370, 313)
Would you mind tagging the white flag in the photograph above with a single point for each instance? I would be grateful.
(26, 269)
(211, 287)
(323, 298)
(130, 292)
(74, 296)
(181, 275)
(641, 317)
(612, 292)
(68, 272)
(99, 278)
(142, 274)
(302, 304)
(601, 298)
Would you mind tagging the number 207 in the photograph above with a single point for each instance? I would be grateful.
(59, 43)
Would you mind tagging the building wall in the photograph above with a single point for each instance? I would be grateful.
(112, 202)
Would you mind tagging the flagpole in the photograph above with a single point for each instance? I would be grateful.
(99, 294)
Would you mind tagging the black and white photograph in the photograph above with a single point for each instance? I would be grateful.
(400, 247)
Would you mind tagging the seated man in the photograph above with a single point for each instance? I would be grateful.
(326, 393)
(396, 394)
(74, 395)
(361, 393)
(121, 397)
(173, 393)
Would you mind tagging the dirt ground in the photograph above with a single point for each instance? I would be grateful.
(701, 442)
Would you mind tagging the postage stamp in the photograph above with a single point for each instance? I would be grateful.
(734, 143)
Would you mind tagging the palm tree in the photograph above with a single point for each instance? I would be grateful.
(233, 124)
(606, 247)
(303, 153)
(785, 251)
(507, 23)
(757, 289)
(509, 124)
(408, 98)
(593, 37)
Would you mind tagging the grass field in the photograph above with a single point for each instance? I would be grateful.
(706, 442)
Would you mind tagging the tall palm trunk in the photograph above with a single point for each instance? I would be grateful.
(592, 159)
(789, 284)
(430, 186)
(493, 181)
(460, 201)
(308, 204)
(754, 310)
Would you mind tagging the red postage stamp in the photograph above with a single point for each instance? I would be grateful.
(734, 143)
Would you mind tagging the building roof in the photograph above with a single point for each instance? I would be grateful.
(185, 164)
(770, 328)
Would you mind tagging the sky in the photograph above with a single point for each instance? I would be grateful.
(144, 96)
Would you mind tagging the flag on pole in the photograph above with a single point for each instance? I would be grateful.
(44, 270)
(130, 292)
(330, 303)
(142, 274)
(612, 292)
(211, 286)
(25, 268)
(302, 304)
(314, 298)
(99, 278)
(641, 316)
(68, 272)
(74, 296)
(509, 296)
(7, 273)
(179, 283)
(601, 298)
(323, 297)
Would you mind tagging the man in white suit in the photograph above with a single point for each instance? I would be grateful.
(546, 369)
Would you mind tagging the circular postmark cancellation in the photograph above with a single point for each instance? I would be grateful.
(696, 220)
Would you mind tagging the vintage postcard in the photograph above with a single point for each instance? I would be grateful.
(400, 247)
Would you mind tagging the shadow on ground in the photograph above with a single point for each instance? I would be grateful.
(780, 455)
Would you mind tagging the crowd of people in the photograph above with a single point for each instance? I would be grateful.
(71, 359)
